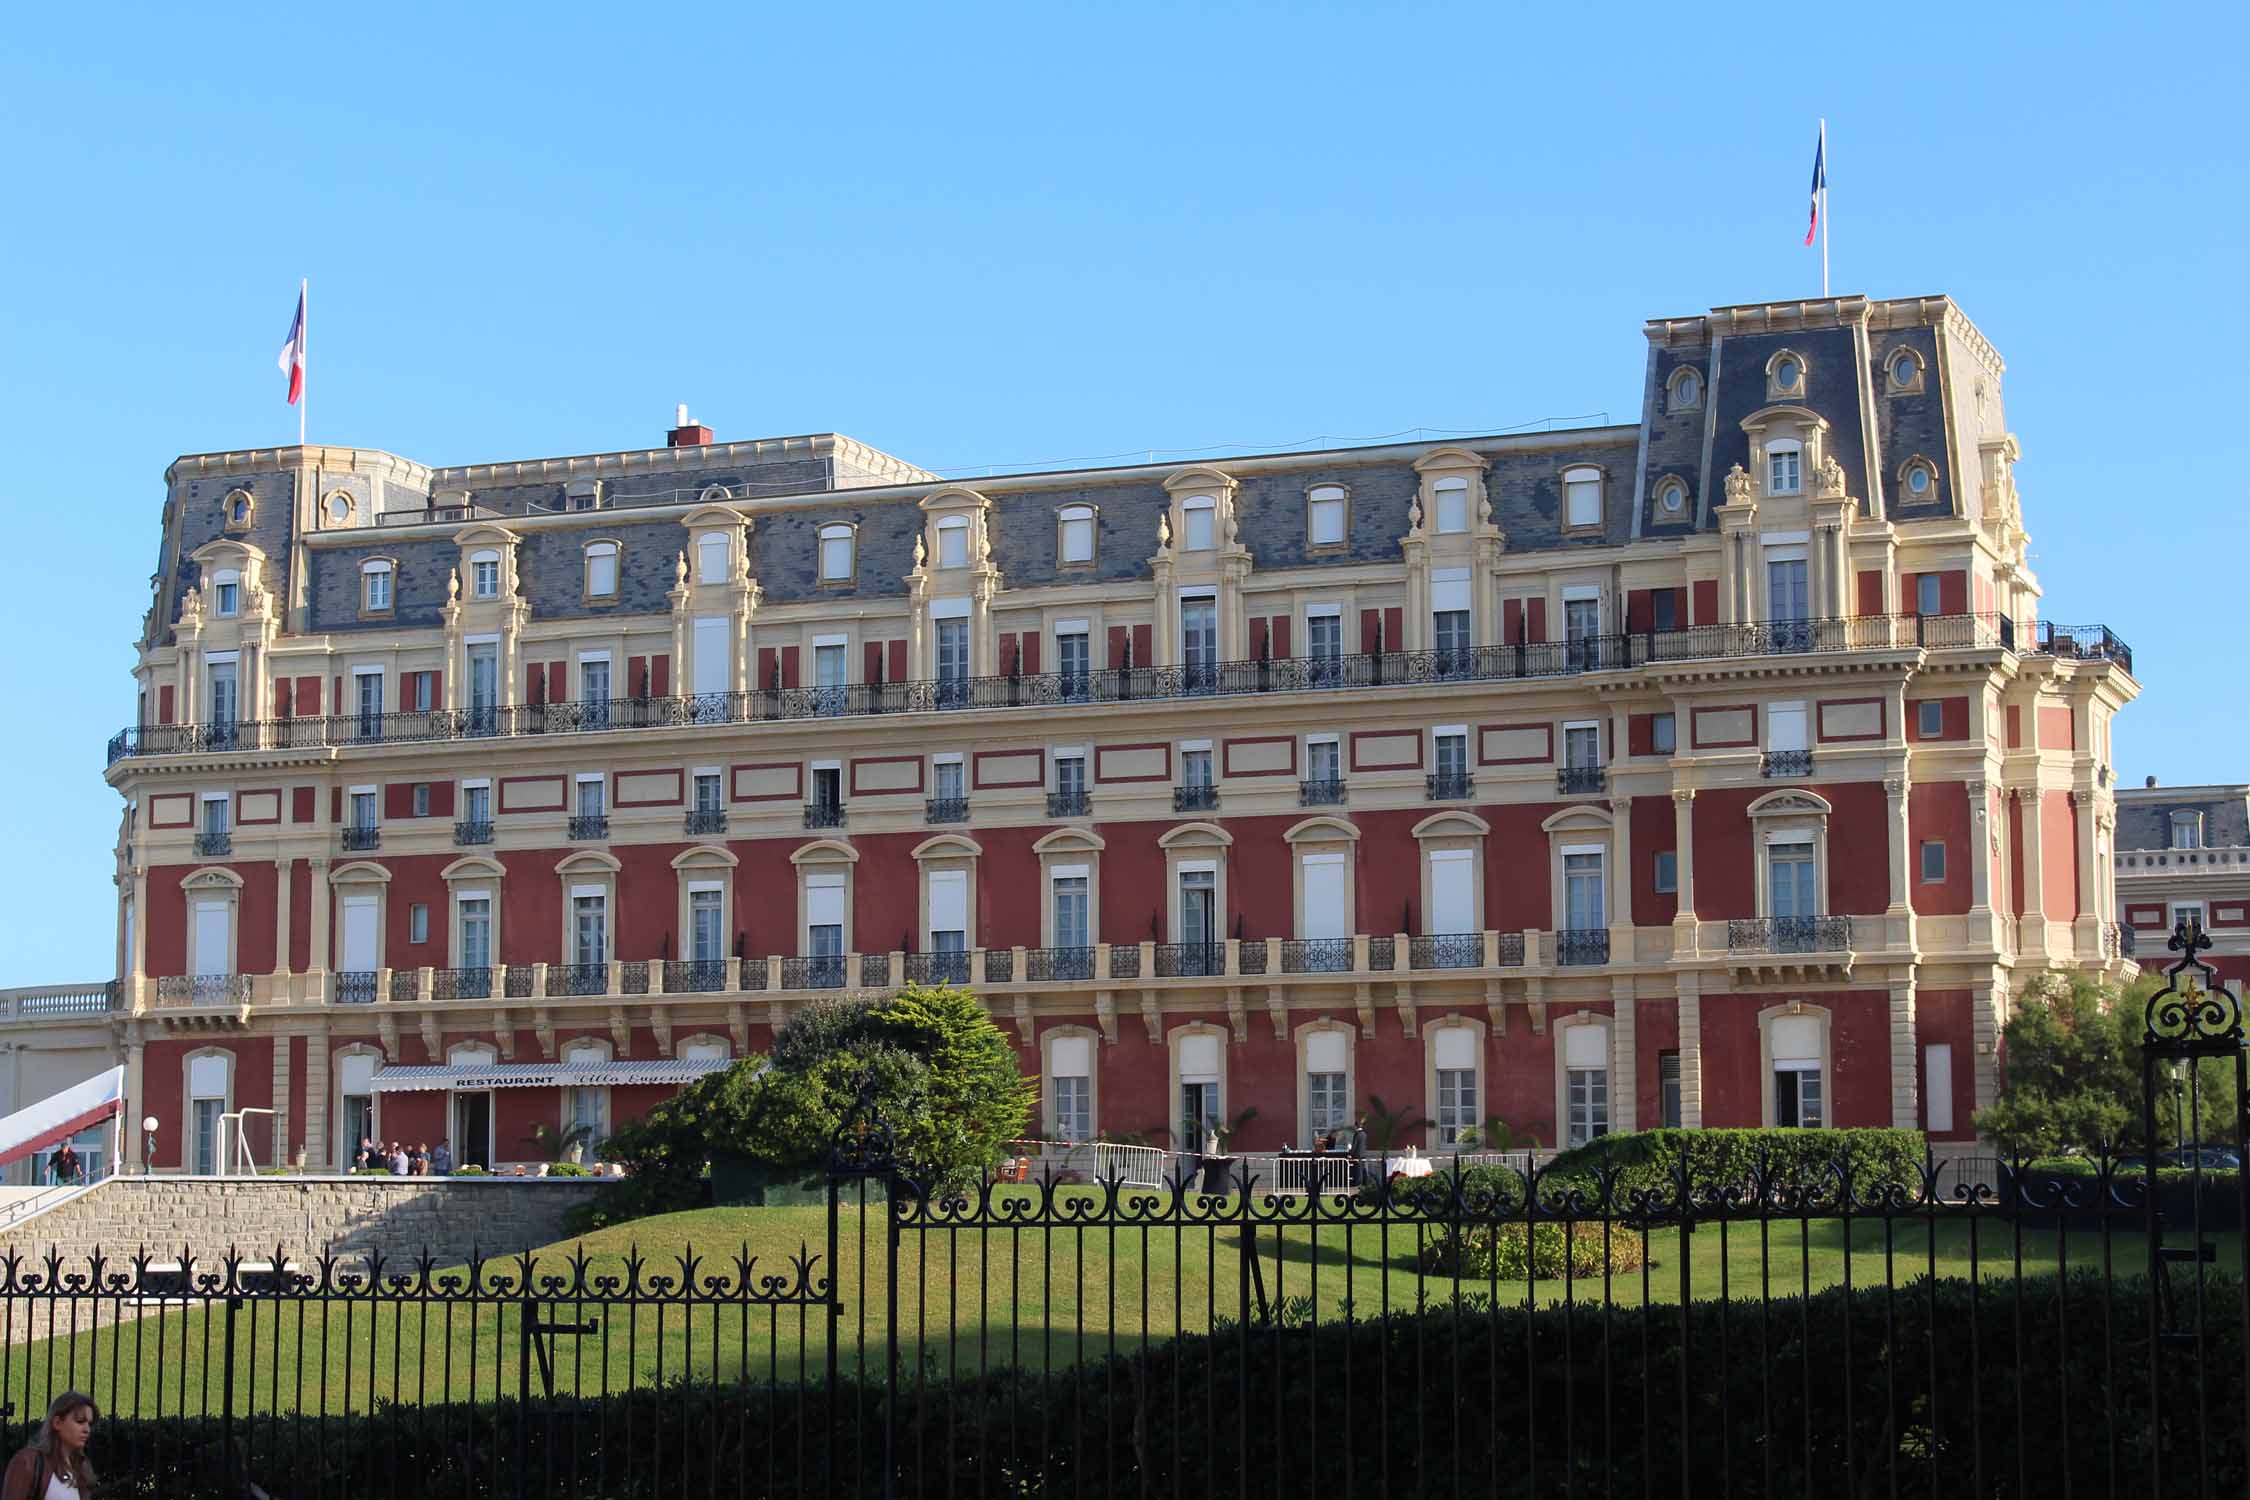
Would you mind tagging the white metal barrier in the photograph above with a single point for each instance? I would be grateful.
(245, 1144)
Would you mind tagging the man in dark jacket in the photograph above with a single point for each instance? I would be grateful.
(1359, 1152)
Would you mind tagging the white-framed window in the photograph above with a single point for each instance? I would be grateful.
(1449, 616)
(705, 1049)
(1449, 750)
(594, 687)
(222, 677)
(836, 561)
(1074, 655)
(828, 784)
(709, 789)
(953, 542)
(1198, 1063)
(2187, 830)
(418, 923)
(946, 780)
(593, 788)
(1929, 718)
(1324, 889)
(1074, 539)
(2190, 912)
(601, 570)
(707, 921)
(484, 575)
(1928, 596)
(375, 587)
(711, 549)
(227, 594)
(1452, 498)
(1582, 498)
(1328, 1099)
(1070, 771)
(362, 808)
(1585, 889)
(1663, 734)
(1324, 515)
(1067, 888)
(952, 646)
(1685, 389)
(1454, 1059)
(947, 928)
(476, 801)
(1582, 744)
(1195, 763)
(1198, 523)
(1933, 861)
(1667, 872)
(1786, 726)
(210, 1090)
(1784, 467)
(354, 1070)
(1324, 632)
(1797, 1045)
(588, 1108)
(1199, 635)
(1070, 1086)
(1792, 877)
(472, 927)
(824, 915)
(1585, 1061)
(1324, 758)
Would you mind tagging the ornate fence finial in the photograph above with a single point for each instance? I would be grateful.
(863, 1146)
(2194, 1007)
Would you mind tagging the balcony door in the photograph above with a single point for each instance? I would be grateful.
(1199, 642)
(1453, 904)
(214, 922)
(1788, 602)
(484, 689)
(359, 936)
(1199, 922)
(1789, 880)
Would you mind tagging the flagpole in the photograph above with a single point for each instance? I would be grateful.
(1824, 207)
(304, 336)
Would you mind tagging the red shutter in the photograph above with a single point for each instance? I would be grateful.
(1394, 630)
(1640, 734)
(1871, 591)
(898, 661)
(1535, 618)
(281, 698)
(1706, 601)
(441, 799)
(1281, 637)
(660, 675)
(1370, 628)
(1144, 648)
(534, 684)
(870, 661)
(2015, 727)
(437, 690)
(766, 668)
(1953, 592)
(308, 697)
(1116, 659)
(1956, 713)
(302, 808)
(636, 676)
(1640, 610)
(338, 699)
(789, 666)
(1679, 609)
(1259, 645)
(1030, 648)
(1511, 622)
(398, 800)
(164, 704)
(335, 804)
(1008, 663)
(558, 682)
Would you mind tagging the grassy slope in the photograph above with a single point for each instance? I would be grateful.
(966, 1299)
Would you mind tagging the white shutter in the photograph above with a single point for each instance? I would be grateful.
(824, 901)
(711, 557)
(1785, 726)
(355, 1074)
(1324, 896)
(704, 1052)
(207, 1078)
(211, 938)
(1586, 1047)
(949, 901)
(359, 935)
(1796, 1041)
(1070, 1057)
(1937, 1086)
(1324, 1052)
(1453, 902)
(1456, 1047)
(710, 664)
(1449, 589)
(1199, 1058)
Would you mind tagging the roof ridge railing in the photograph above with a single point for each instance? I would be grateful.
(1511, 661)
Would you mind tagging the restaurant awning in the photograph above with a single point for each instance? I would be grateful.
(475, 1076)
(60, 1116)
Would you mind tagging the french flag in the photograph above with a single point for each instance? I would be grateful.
(1819, 181)
(292, 360)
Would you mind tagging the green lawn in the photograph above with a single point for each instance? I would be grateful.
(966, 1299)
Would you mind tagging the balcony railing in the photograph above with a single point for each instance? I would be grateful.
(1042, 964)
(938, 968)
(694, 976)
(824, 815)
(1196, 796)
(1382, 954)
(874, 970)
(1446, 950)
(578, 979)
(1531, 659)
(368, 837)
(213, 989)
(1449, 786)
(1070, 804)
(1124, 960)
(1250, 956)
(707, 820)
(461, 984)
(1789, 935)
(473, 831)
(1320, 793)
(946, 810)
(1190, 960)
(821, 971)
(589, 825)
(406, 986)
(1511, 949)
(1330, 955)
(1574, 781)
(1582, 945)
(355, 987)
(214, 841)
(59, 1000)
(632, 977)
(1787, 763)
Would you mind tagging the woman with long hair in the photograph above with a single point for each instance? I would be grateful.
(53, 1466)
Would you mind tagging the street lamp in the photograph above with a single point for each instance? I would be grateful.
(148, 1144)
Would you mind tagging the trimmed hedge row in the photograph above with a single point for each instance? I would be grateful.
(1650, 1159)
(1931, 1389)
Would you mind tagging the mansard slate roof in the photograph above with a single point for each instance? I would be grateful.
(2144, 815)
(792, 486)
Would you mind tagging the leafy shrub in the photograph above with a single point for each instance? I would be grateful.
(567, 1169)
(1649, 1161)
(471, 1170)
(371, 1171)
(1518, 1252)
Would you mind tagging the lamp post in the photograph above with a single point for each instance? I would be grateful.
(148, 1144)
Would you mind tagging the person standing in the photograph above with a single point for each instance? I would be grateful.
(1359, 1151)
(398, 1160)
(441, 1160)
(66, 1164)
(53, 1466)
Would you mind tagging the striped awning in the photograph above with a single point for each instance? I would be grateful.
(475, 1076)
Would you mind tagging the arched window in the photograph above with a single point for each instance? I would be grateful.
(1198, 523)
(1905, 369)
(836, 561)
(239, 509)
(1452, 505)
(1075, 541)
(1324, 515)
(1685, 389)
(953, 542)
(1918, 481)
(1671, 499)
(375, 587)
(601, 570)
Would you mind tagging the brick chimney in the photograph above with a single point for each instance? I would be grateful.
(686, 433)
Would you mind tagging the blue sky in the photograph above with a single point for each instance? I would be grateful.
(1017, 237)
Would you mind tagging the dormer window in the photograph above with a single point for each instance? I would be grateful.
(484, 575)
(1685, 391)
(953, 542)
(339, 509)
(1918, 480)
(375, 587)
(1671, 499)
(1198, 523)
(1324, 515)
(1786, 375)
(711, 557)
(226, 593)
(1582, 499)
(1074, 542)
(238, 509)
(1905, 369)
(1453, 505)
(2187, 830)
(1784, 468)
(836, 553)
(601, 570)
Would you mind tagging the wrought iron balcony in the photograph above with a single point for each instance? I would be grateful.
(369, 836)
(1250, 957)
(938, 968)
(1320, 793)
(1787, 763)
(821, 971)
(824, 815)
(1446, 950)
(1124, 960)
(1382, 953)
(946, 810)
(461, 984)
(1582, 945)
(874, 970)
(212, 989)
(1190, 960)
(516, 981)
(1329, 955)
(1046, 964)
(214, 841)
(707, 820)
(1789, 935)
(578, 979)
(406, 986)
(1511, 949)
(1196, 796)
(1578, 781)
(473, 831)
(1070, 804)
(999, 966)
(1448, 786)
(695, 976)
(354, 987)
(589, 826)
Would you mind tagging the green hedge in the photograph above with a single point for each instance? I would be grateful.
(1911, 1392)
(1649, 1160)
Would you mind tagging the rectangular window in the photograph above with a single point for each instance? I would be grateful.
(1582, 619)
(230, 596)
(1324, 511)
(601, 570)
(711, 557)
(1929, 719)
(417, 923)
(1327, 1101)
(1784, 472)
(1070, 774)
(363, 808)
(1926, 594)
(1324, 635)
(593, 682)
(709, 792)
(1933, 861)
(589, 1116)
(369, 686)
(952, 546)
(1199, 1112)
(1453, 505)
(1795, 1043)
(824, 916)
(2190, 912)
(953, 650)
(1937, 1087)
(378, 583)
(1074, 1108)
(421, 799)
(1663, 734)
(1074, 660)
(1586, 1083)
(214, 815)
(949, 911)
(421, 690)
(476, 804)
(1195, 767)
(947, 774)
(828, 786)
(835, 554)
(1070, 915)
(2187, 831)
(1199, 521)
(1323, 761)
(1456, 1104)
(1327, 900)
(1585, 903)
(1582, 745)
(1077, 535)
(1665, 610)
(1199, 917)
(1449, 633)
(226, 701)
(476, 932)
(1582, 497)
(484, 686)
(1789, 880)
(1785, 726)
(589, 931)
(207, 1112)
(1199, 634)
(1450, 753)
(1668, 1088)
(592, 798)
(1667, 872)
(1788, 596)
(707, 940)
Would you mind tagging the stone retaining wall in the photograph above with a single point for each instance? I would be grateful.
(349, 1217)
